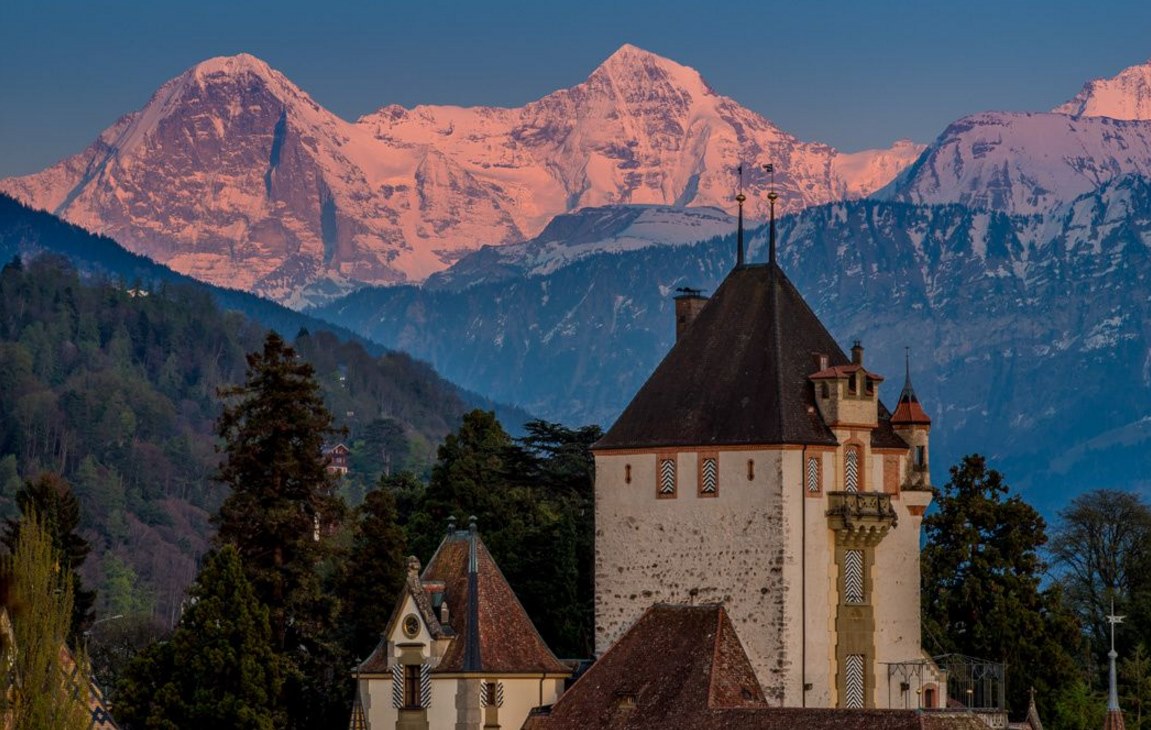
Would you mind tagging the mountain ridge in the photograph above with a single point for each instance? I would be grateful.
(231, 173)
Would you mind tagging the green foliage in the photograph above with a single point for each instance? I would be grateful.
(117, 393)
(373, 573)
(219, 668)
(534, 503)
(981, 572)
(278, 515)
(50, 497)
(1077, 707)
(1135, 685)
(40, 608)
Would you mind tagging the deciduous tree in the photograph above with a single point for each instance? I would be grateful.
(1102, 550)
(42, 695)
(50, 496)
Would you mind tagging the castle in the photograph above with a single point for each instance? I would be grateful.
(758, 468)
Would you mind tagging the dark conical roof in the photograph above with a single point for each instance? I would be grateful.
(739, 374)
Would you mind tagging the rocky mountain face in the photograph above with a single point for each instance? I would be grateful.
(1029, 336)
(234, 175)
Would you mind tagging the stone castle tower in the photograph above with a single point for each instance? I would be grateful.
(758, 468)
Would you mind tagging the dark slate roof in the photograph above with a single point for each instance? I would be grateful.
(684, 667)
(739, 374)
(493, 632)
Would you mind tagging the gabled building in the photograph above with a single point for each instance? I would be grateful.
(758, 468)
(459, 651)
(685, 667)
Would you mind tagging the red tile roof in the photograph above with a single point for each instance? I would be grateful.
(684, 667)
(493, 632)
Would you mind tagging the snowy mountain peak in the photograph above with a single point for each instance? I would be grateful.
(1126, 95)
(631, 64)
(233, 66)
(234, 175)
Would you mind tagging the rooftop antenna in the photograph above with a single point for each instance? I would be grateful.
(739, 231)
(771, 198)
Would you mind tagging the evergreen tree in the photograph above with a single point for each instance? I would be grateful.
(981, 593)
(375, 568)
(42, 696)
(218, 669)
(274, 427)
(281, 507)
(51, 497)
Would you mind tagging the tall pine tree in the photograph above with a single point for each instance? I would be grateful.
(375, 568)
(281, 506)
(218, 669)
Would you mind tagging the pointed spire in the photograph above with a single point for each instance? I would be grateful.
(908, 391)
(740, 197)
(908, 411)
(771, 197)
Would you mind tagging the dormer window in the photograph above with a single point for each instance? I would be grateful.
(852, 388)
(870, 386)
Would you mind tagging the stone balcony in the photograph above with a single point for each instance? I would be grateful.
(860, 517)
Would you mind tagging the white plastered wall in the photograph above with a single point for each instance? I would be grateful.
(694, 549)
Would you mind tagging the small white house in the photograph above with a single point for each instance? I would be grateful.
(458, 652)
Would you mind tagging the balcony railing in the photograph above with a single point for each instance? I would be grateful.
(860, 510)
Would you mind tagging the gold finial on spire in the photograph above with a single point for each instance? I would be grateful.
(771, 198)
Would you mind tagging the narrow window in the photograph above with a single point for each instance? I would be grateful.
(853, 576)
(708, 476)
(870, 386)
(627, 474)
(750, 469)
(666, 475)
(920, 456)
(824, 391)
(851, 388)
(853, 682)
(851, 470)
(813, 475)
(929, 697)
(413, 698)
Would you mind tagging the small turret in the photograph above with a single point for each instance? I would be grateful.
(912, 423)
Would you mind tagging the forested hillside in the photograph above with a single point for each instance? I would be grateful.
(115, 387)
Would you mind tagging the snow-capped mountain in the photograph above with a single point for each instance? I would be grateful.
(1126, 95)
(1032, 163)
(234, 175)
(1023, 163)
(571, 237)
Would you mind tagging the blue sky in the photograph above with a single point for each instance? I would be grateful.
(851, 74)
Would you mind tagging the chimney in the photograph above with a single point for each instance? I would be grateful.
(444, 618)
(688, 304)
(857, 353)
